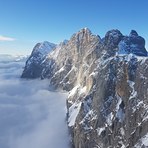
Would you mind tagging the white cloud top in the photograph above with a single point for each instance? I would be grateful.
(31, 116)
(5, 38)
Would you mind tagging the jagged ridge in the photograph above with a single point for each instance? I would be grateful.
(107, 82)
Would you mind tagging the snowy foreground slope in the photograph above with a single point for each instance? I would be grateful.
(29, 117)
(107, 81)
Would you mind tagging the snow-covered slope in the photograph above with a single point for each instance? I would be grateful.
(33, 68)
(107, 82)
(43, 48)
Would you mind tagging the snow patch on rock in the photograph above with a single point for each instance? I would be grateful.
(143, 142)
(73, 113)
(134, 92)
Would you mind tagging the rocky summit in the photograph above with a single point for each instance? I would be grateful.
(107, 81)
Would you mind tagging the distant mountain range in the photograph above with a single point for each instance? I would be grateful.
(107, 81)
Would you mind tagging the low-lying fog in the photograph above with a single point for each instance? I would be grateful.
(30, 115)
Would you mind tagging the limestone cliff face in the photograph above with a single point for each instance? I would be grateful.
(107, 82)
(75, 57)
(115, 112)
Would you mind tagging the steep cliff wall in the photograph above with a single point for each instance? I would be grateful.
(107, 83)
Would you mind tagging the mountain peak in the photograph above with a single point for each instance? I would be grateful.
(133, 33)
(134, 44)
(43, 47)
(113, 37)
(113, 32)
(82, 35)
(85, 31)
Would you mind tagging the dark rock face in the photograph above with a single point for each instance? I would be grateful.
(133, 33)
(133, 44)
(35, 65)
(112, 38)
(107, 82)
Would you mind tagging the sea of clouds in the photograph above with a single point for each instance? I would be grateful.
(31, 116)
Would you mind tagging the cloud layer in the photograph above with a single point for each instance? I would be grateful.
(31, 116)
(5, 38)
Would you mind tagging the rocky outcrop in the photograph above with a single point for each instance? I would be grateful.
(35, 63)
(107, 82)
(133, 44)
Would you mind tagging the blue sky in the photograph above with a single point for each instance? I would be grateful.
(23, 23)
